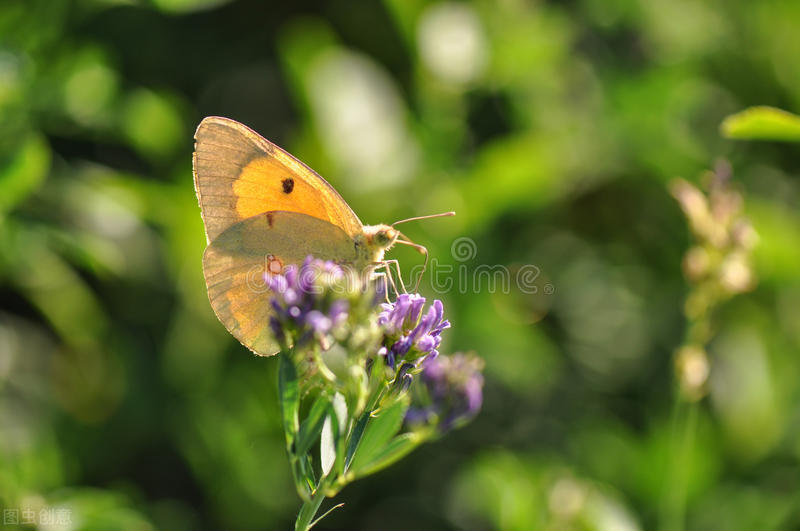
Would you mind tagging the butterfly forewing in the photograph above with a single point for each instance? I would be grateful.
(239, 174)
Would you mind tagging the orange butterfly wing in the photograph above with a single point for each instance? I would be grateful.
(236, 261)
(239, 174)
(262, 209)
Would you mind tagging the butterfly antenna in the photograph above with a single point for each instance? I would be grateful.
(442, 215)
(421, 248)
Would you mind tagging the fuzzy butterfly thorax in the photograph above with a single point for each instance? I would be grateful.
(373, 243)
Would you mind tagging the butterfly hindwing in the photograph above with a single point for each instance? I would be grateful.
(236, 261)
(239, 174)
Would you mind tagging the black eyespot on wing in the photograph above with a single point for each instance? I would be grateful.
(288, 185)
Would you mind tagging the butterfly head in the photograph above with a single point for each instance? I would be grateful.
(376, 240)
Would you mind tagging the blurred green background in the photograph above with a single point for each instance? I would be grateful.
(552, 128)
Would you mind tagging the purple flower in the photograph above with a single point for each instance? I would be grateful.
(304, 308)
(408, 329)
(451, 389)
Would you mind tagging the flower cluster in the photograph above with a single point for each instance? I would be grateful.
(356, 369)
(452, 389)
(409, 333)
(312, 304)
(718, 266)
(304, 304)
(724, 238)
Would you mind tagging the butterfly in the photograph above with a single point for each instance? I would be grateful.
(262, 210)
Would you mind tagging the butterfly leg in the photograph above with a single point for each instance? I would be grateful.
(424, 250)
(385, 273)
(420, 248)
(396, 264)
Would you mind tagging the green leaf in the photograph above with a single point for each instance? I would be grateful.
(380, 429)
(306, 469)
(332, 429)
(289, 395)
(24, 172)
(398, 448)
(355, 438)
(152, 123)
(762, 123)
(327, 444)
(377, 379)
(312, 425)
(188, 6)
(340, 408)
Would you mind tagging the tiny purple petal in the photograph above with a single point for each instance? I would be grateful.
(418, 415)
(474, 393)
(276, 283)
(338, 311)
(277, 330)
(291, 275)
(401, 347)
(426, 344)
(441, 326)
(290, 296)
(318, 322)
(438, 309)
(415, 310)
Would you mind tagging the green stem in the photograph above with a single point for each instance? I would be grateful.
(309, 509)
(673, 510)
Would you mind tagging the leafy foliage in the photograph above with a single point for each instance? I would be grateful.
(762, 123)
(553, 133)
